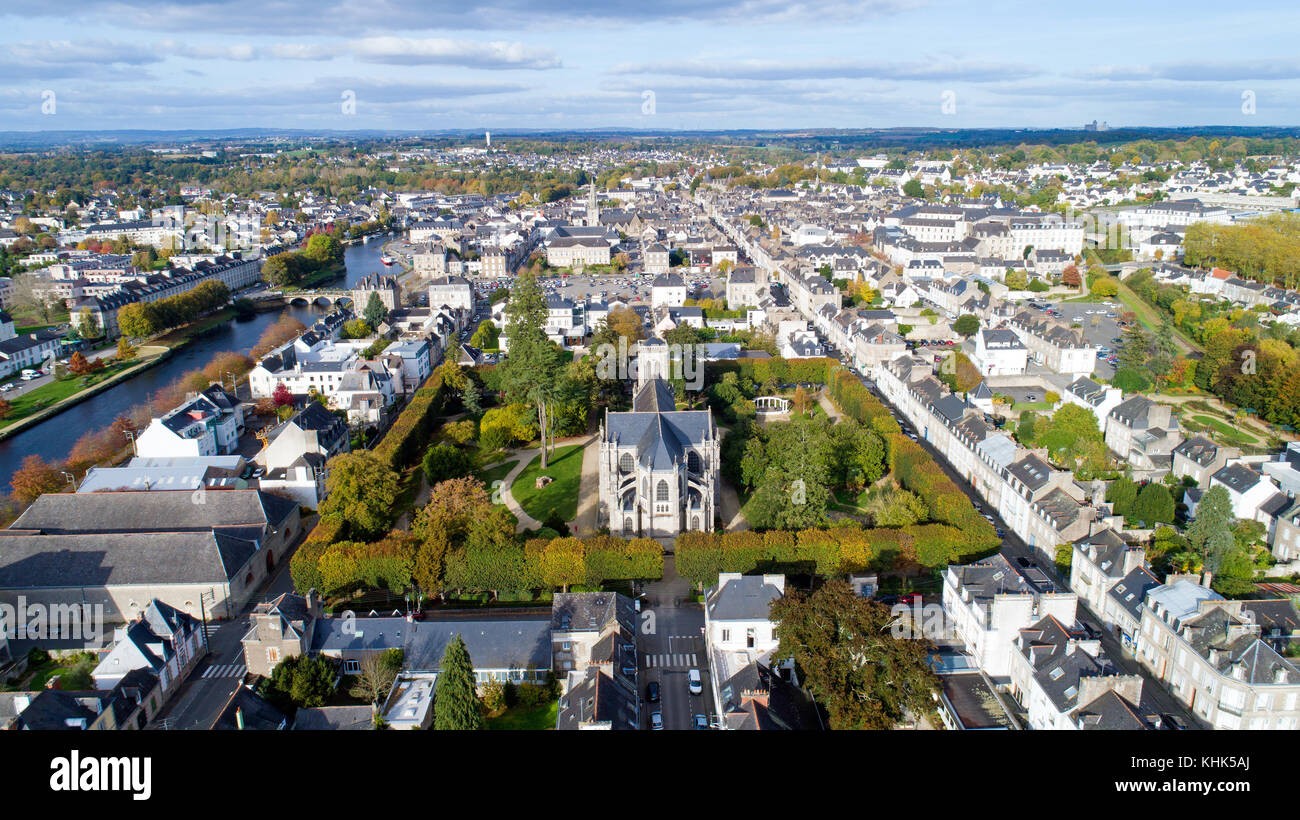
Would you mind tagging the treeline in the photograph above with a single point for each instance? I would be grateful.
(1244, 363)
(144, 319)
(1263, 250)
(840, 549)
(321, 253)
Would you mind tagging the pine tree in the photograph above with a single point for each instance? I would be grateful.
(455, 703)
(375, 311)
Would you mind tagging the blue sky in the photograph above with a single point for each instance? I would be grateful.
(780, 64)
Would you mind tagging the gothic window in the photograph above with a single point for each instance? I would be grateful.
(627, 525)
(625, 463)
(693, 461)
(695, 522)
(661, 492)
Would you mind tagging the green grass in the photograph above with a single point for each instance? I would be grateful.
(1031, 405)
(526, 719)
(1229, 433)
(33, 401)
(565, 466)
(495, 474)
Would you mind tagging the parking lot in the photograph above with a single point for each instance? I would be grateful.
(1099, 323)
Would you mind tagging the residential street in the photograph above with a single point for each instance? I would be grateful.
(671, 643)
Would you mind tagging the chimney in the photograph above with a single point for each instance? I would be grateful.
(1207, 578)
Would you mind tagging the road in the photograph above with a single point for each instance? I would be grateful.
(1016, 550)
(208, 689)
(671, 643)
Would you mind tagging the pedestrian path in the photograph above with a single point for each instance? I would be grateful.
(225, 670)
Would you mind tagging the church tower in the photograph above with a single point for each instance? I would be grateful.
(593, 207)
(652, 362)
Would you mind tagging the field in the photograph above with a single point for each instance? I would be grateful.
(565, 466)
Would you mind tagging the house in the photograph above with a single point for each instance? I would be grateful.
(248, 711)
(295, 453)
(668, 289)
(750, 691)
(1254, 496)
(131, 704)
(657, 258)
(746, 287)
(1143, 433)
(208, 424)
(454, 292)
(387, 287)
(658, 465)
(334, 718)
(1199, 458)
(594, 645)
(281, 628)
(1098, 561)
(1058, 674)
(988, 602)
(164, 641)
(999, 352)
(108, 548)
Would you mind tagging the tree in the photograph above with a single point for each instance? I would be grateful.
(362, 491)
(282, 396)
(1016, 279)
(125, 350)
(533, 373)
(1071, 278)
(486, 336)
(34, 478)
(914, 189)
(848, 658)
(301, 682)
(1122, 494)
(1210, 533)
(5, 408)
(378, 673)
(376, 311)
(282, 269)
(1105, 287)
(446, 461)
(1154, 505)
(456, 706)
(967, 325)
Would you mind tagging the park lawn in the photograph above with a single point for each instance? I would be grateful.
(494, 474)
(1022, 406)
(1150, 317)
(526, 718)
(1228, 431)
(34, 401)
(565, 466)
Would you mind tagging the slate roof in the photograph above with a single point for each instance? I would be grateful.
(334, 718)
(492, 643)
(747, 598)
(73, 560)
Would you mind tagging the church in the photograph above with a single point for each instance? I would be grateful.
(658, 464)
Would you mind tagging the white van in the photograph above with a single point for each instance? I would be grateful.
(28, 375)
(695, 683)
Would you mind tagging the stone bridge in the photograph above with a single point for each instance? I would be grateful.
(325, 297)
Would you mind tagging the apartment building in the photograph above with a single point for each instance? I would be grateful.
(1209, 652)
(1054, 345)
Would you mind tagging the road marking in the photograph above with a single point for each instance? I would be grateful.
(225, 670)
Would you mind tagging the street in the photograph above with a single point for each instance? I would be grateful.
(1153, 692)
(671, 644)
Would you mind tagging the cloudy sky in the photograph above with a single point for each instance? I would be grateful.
(680, 64)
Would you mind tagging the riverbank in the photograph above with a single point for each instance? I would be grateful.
(153, 360)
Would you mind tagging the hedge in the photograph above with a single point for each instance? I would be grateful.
(593, 561)
(304, 566)
(786, 371)
(835, 550)
(404, 442)
(916, 471)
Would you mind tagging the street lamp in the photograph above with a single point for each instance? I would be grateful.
(72, 479)
(131, 435)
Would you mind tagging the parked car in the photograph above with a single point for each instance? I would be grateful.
(652, 692)
(1169, 722)
(657, 721)
(695, 682)
(701, 722)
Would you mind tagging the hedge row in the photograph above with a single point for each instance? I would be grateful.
(785, 371)
(836, 550)
(858, 403)
(913, 467)
(592, 561)
(304, 565)
(404, 442)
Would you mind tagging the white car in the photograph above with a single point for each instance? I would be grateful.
(694, 681)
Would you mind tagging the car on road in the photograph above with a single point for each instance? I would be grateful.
(1171, 723)
(657, 721)
(701, 722)
(1001, 532)
(695, 682)
(652, 692)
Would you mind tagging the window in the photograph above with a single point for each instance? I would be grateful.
(273, 655)
(351, 666)
(726, 635)
(625, 463)
(661, 492)
(627, 525)
(693, 461)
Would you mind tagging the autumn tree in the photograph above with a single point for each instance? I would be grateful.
(862, 674)
(34, 478)
(362, 491)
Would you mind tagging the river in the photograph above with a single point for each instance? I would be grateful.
(53, 438)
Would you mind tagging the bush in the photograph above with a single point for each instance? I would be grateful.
(414, 426)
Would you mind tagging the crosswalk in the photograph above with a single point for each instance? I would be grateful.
(225, 670)
(677, 659)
